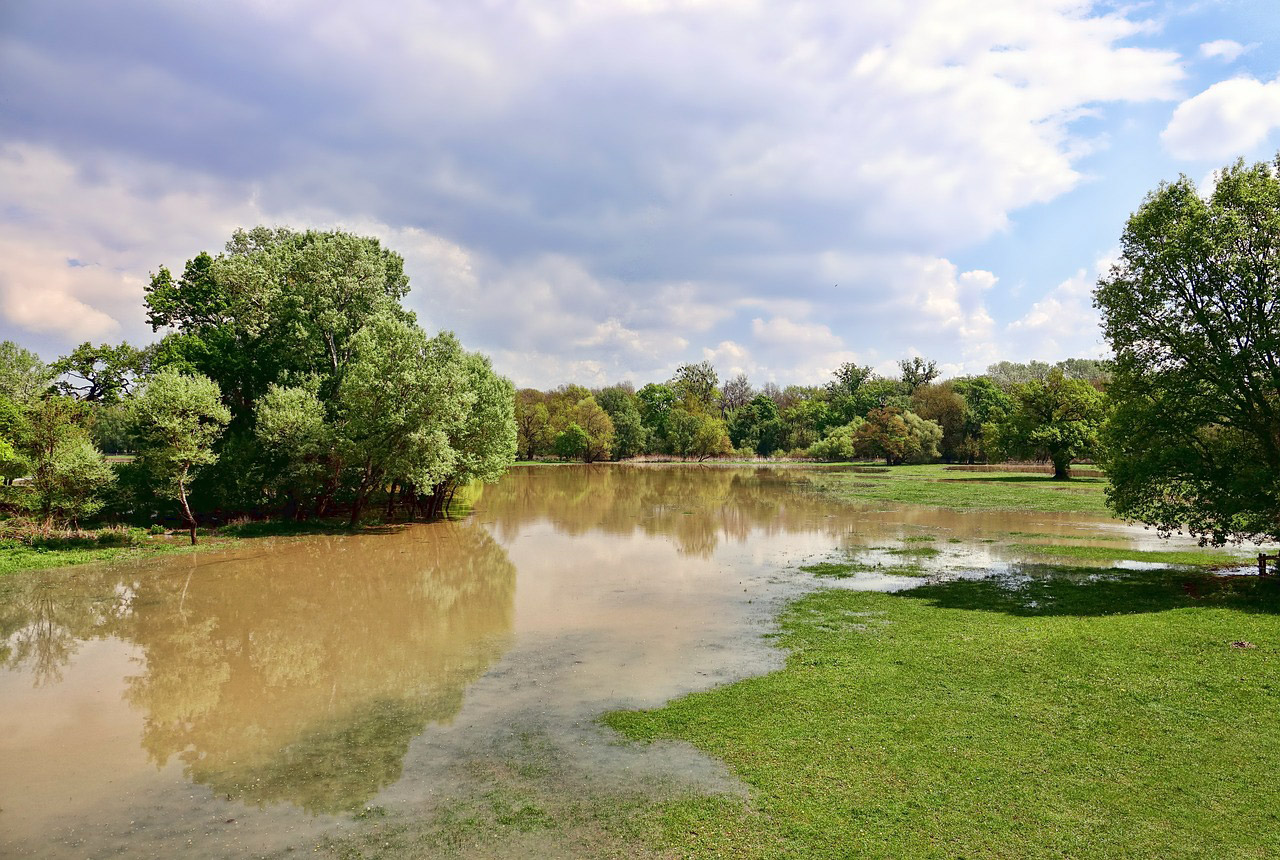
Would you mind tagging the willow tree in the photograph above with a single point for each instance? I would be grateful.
(1191, 311)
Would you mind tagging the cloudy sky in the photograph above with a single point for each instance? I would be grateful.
(593, 191)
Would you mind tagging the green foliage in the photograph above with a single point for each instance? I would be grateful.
(917, 372)
(941, 404)
(571, 442)
(100, 374)
(695, 387)
(656, 402)
(986, 405)
(697, 435)
(630, 436)
(179, 419)
(533, 424)
(1190, 311)
(1058, 419)
(23, 376)
(67, 473)
(898, 436)
(757, 425)
(839, 445)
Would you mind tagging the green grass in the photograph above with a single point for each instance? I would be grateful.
(1104, 554)
(16, 559)
(1098, 719)
(936, 487)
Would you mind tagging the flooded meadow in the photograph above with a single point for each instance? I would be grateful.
(316, 691)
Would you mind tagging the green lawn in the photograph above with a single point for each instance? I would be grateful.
(937, 487)
(1104, 554)
(1110, 718)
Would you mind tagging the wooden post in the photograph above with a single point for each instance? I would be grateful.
(1262, 564)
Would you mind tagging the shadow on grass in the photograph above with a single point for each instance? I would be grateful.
(990, 478)
(1074, 594)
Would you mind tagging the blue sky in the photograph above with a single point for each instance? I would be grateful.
(596, 191)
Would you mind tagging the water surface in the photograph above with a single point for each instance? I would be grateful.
(258, 699)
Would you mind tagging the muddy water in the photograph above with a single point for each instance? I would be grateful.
(256, 700)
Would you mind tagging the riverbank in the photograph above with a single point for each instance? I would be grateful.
(1132, 714)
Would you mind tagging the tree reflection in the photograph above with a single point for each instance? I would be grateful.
(300, 674)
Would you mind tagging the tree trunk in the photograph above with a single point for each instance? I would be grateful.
(1061, 469)
(391, 501)
(186, 508)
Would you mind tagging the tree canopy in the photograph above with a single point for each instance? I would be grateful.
(1190, 311)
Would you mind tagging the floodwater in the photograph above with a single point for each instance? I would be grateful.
(262, 699)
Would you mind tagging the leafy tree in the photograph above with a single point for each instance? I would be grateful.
(941, 404)
(290, 425)
(1190, 311)
(68, 474)
(571, 442)
(179, 420)
(839, 445)
(697, 435)
(656, 402)
(630, 436)
(757, 426)
(1058, 419)
(917, 372)
(598, 428)
(23, 376)
(898, 436)
(695, 387)
(985, 406)
(533, 424)
(100, 374)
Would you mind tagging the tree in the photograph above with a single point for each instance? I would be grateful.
(630, 437)
(179, 420)
(99, 374)
(839, 445)
(23, 376)
(1058, 420)
(291, 426)
(698, 435)
(940, 403)
(898, 436)
(656, 402)
(1190, 311)
(917, 372)
(695, 386)
(985, 407)
(67, 472)
(571, 442)
(533, 424)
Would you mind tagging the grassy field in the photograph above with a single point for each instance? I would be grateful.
(937, 487)
(1129, 716)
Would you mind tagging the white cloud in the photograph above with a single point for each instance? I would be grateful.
(1227, 120)
(1063, 323)
(1224, 49)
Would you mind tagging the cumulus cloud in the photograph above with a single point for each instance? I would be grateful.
(1063, 323)
(1224, 49)
(1226, 120)
(586, 191)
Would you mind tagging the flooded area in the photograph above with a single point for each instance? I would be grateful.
(257, 700)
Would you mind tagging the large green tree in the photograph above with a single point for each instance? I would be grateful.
(1192, 313)
(1058, 419)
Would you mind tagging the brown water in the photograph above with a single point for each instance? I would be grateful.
(249, 701)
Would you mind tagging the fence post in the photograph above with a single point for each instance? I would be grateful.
(1262, 563)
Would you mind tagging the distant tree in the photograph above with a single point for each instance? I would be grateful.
(839, 445)
(533, 424)
(292, 427)
(1058, 419)
(23, 376)
(985, 406)
(100, 374)
(1007, 374)
(179, 420)
(736, 393)
(695, 386)
(941, 404)
(571, 443)
(598, 427)
(630, 437)
(656, 402)
(697, 435)
(1192, 314)
(917, 372)
(898, 436)
(757, 426)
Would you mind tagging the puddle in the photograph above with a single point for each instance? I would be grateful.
(247, 702)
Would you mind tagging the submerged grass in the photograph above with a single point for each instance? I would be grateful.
(936, 487)
(1133, 716)
(1106, 554)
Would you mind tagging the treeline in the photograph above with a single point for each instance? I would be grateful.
(289, 380)
(1035, 410)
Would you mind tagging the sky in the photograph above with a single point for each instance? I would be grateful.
(594, 191)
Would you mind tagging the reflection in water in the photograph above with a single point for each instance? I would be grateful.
(300, 674)
(303, 674)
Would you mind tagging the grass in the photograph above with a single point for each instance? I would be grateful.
(1066, 718)
(936, 487)
(1104, 554)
